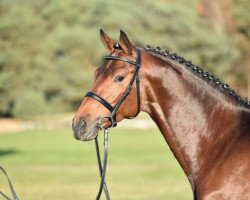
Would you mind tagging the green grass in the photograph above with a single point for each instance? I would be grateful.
(52, 165)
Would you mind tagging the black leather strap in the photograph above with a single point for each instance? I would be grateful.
(101, 100)
(120, 59)
(102, 168)
(137, 79)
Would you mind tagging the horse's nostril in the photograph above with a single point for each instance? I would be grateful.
(82, 124)
(79, 127)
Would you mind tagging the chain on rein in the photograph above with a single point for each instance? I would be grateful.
(112, 117)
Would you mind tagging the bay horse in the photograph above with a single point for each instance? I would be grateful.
(205, 123)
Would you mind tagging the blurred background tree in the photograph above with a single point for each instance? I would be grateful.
(49, 49)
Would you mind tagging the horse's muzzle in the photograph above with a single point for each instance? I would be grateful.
(83, 130)
(79, 129)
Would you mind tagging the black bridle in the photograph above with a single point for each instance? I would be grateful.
(114, 109)
(112, 117)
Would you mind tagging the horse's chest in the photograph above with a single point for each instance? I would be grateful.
(228, 184)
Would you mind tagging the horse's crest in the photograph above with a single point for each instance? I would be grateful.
(199, 71)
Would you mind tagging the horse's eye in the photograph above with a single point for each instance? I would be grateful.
(119, 79)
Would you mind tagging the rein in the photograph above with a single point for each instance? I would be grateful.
(102, 170)
(112, 116)
(10, 186)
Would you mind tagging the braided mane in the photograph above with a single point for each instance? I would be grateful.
(200, 72)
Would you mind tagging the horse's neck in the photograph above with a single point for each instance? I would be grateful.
(195, 119)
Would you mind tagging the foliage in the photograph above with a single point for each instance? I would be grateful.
(51, 48)
(242, 17)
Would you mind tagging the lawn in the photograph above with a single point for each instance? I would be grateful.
(52, 165)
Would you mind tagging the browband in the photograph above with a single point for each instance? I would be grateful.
(120, 59)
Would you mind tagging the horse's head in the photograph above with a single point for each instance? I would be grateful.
(111, 98)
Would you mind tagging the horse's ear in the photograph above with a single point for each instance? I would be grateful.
(107, 41)
(126, 45)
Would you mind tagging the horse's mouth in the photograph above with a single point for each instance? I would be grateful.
(90, 132)
(88, 135)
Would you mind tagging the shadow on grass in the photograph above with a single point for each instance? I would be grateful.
(7, 152)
